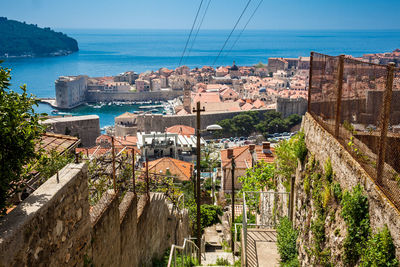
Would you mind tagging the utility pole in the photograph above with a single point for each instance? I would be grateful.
(198, 131)
(147, 178)
(133, 172)
(233, 199)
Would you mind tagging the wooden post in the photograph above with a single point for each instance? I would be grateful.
(384, 122)
(147, 179)
(291, 197)
(113, 164)
(310, 82)
(339, 95)
(233, 200)
(133, 172)
(198, 197)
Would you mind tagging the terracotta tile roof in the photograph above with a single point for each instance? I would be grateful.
(127, 115)
(58, 142)
(258, 103)
(243, 158)
(247, 106)
(206, 97)
(237, 151)
(99, 151)
(181, 129)
(180, 169)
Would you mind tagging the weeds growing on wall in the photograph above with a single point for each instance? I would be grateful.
(287, 152)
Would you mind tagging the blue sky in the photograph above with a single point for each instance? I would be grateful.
(222, 14)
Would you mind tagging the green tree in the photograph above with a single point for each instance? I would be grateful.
(19, 133)
(259, 178)
(243, 124)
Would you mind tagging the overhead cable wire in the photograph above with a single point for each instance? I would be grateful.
(198, 29)
(191, 30)
(244, 28)
(229, 36)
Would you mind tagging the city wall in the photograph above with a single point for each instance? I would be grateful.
(291, 106)
(348, 173)
(86, 128)
(158, 123)
(56, 227)
(95, 97)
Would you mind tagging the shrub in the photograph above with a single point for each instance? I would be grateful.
(222, 262)
(337, 191)
(356, 215)
(380, 250)
(286, 241)
(299, 147)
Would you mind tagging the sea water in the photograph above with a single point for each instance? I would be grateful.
(109, 52)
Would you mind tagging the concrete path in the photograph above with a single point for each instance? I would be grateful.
(261, 248)
(213, 237)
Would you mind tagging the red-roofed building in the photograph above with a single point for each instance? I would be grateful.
(181, 170)
(181, 129)
(208, 97)
(247, 106)
(245, 157)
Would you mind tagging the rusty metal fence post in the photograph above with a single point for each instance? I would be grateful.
(384, 121)
(310, 82)
(339, 95)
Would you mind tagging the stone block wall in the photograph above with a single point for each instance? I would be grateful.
(105, 234)
(95, 97)
(349, 173)
(86, 128)
(158, 123)
(134, 232)
(51, 226)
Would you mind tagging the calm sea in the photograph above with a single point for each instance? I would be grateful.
(109, 52)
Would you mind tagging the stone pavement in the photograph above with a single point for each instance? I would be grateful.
(261, 248)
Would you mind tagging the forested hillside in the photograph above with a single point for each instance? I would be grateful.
(19, 39)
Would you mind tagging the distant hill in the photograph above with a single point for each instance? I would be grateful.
(18, 39)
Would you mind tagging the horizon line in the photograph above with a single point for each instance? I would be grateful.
(181, 29)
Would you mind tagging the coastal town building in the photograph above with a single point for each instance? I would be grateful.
(70, 91)
(180, 170)
(156, 145)
(245, 157)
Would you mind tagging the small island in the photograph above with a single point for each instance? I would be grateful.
(19, 39)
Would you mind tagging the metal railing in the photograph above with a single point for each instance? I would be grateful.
(265, 213)
(185, 255)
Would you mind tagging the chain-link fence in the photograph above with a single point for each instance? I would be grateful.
(359, 104)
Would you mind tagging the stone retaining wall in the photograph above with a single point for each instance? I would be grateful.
(55, 226)
(51, 227)
(349, 173)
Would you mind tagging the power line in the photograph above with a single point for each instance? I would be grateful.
(240, 34)
(227, 39)
(198, 29)
(190, 34)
